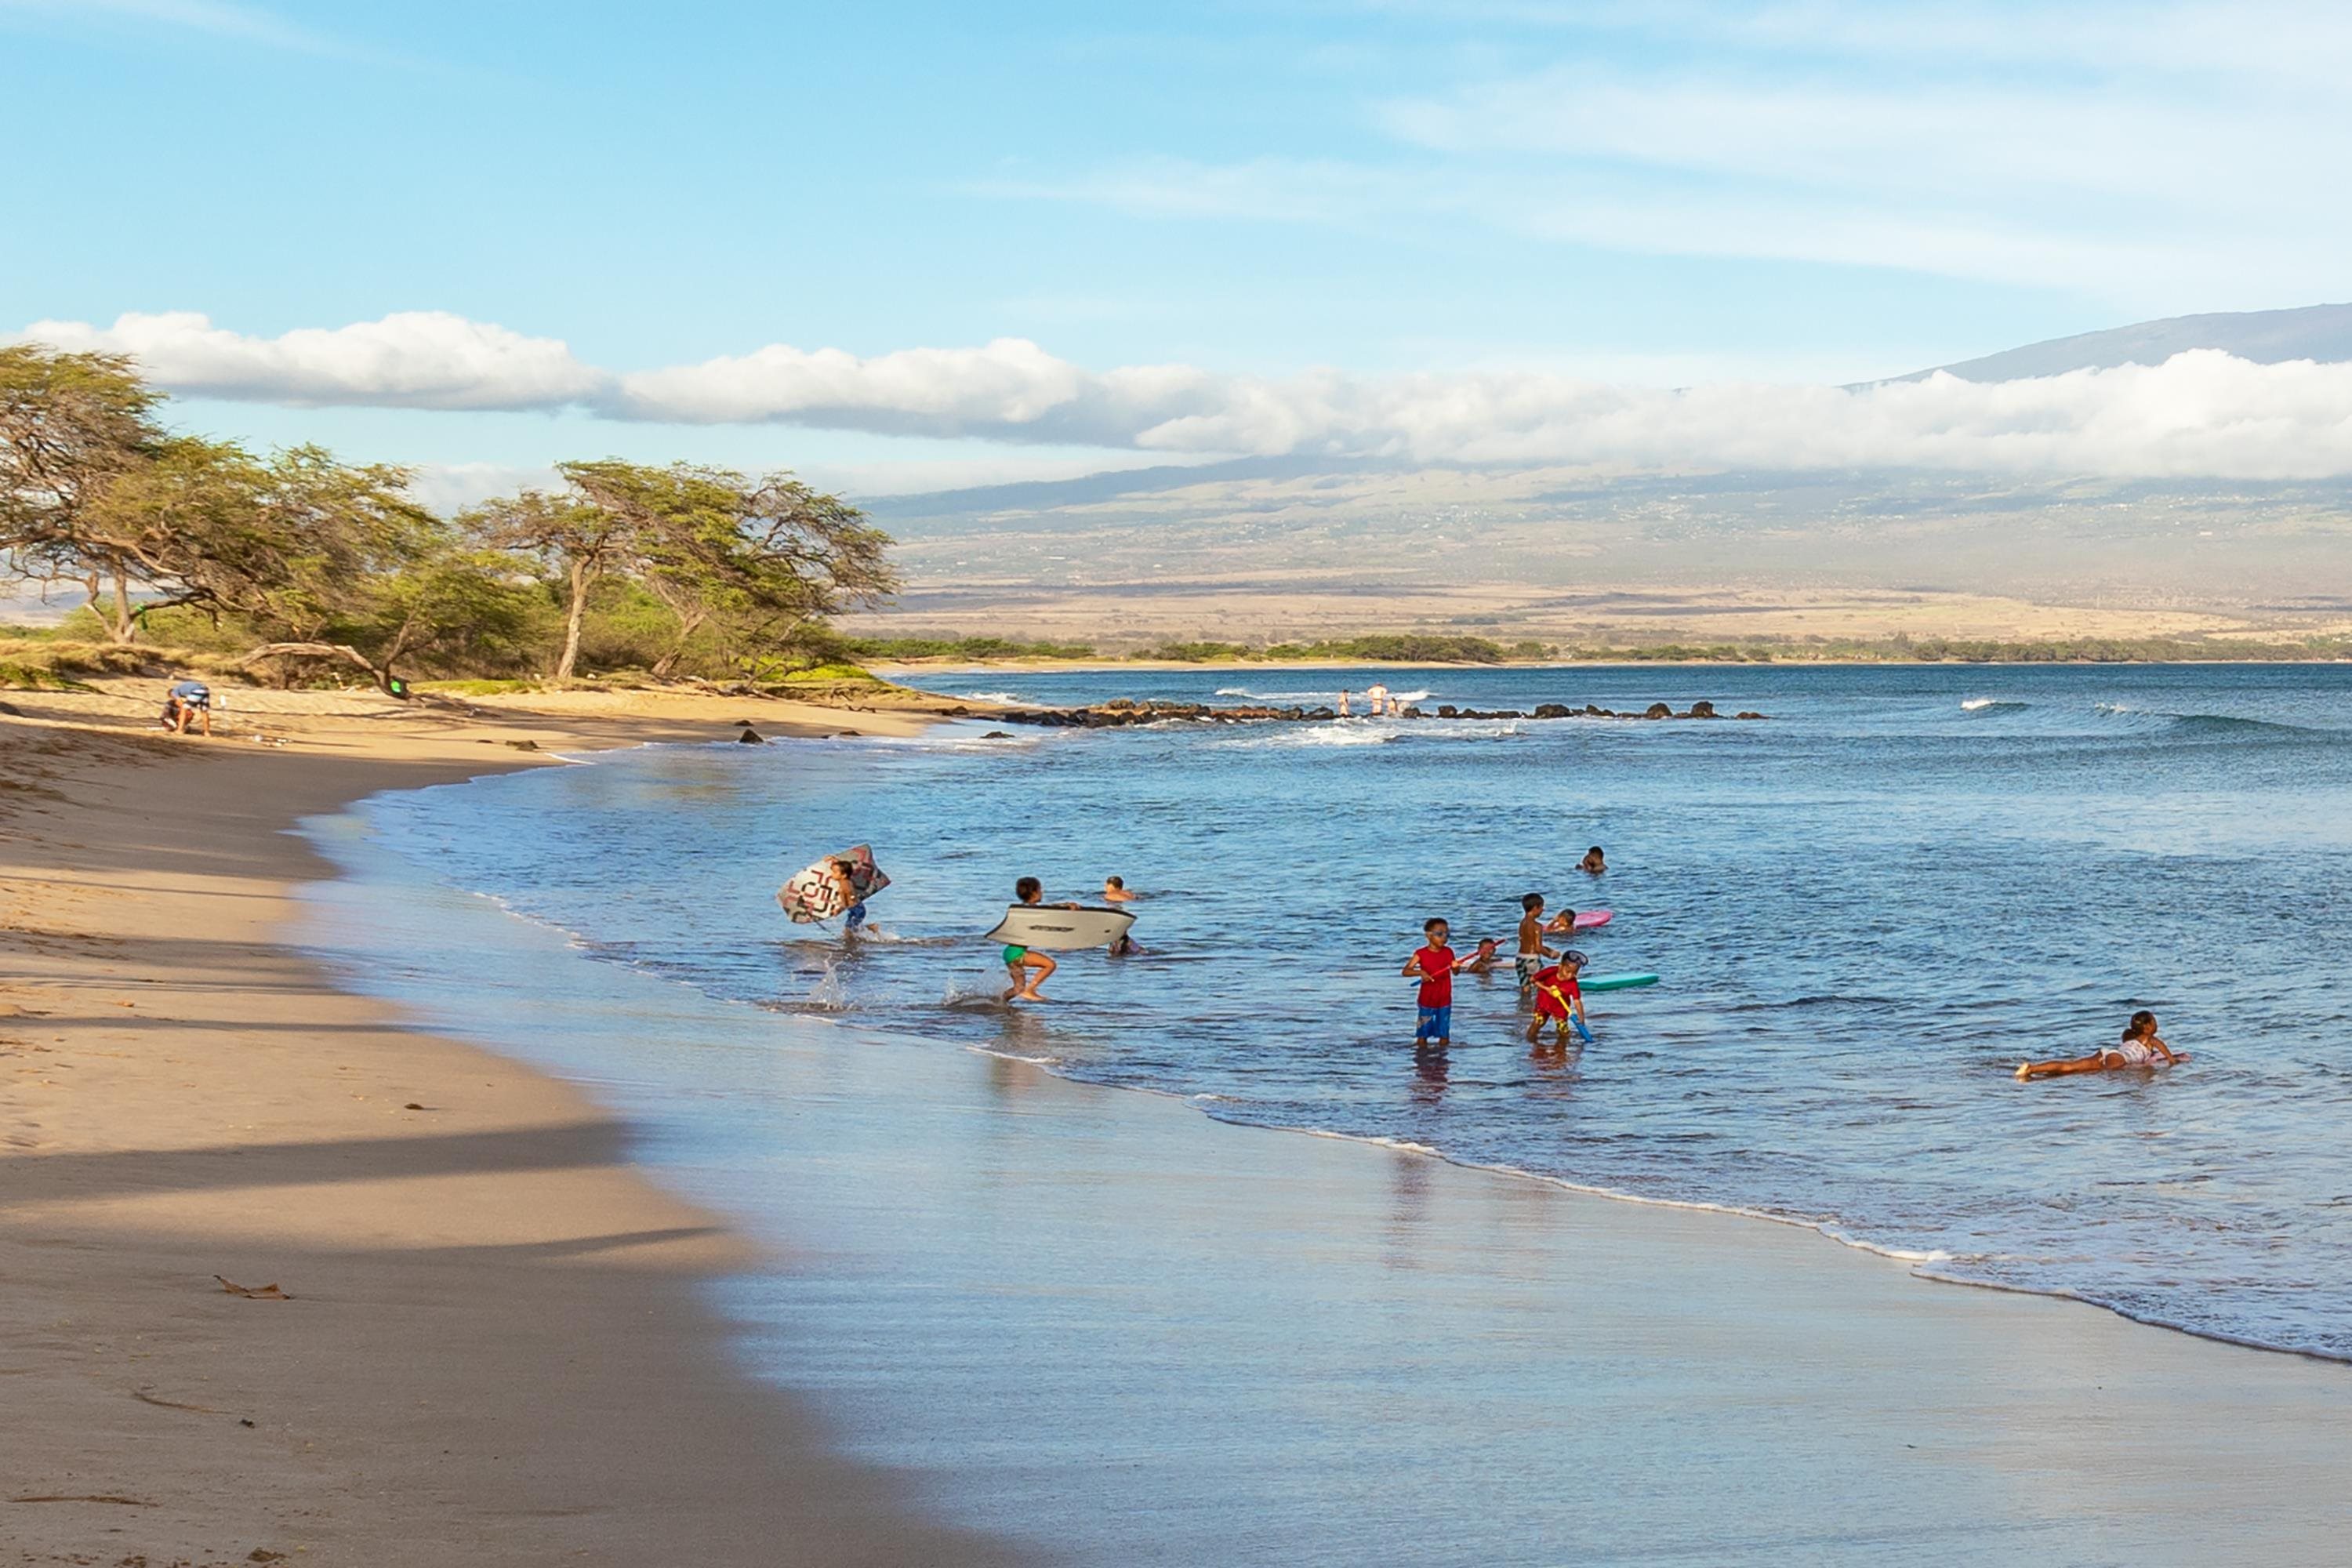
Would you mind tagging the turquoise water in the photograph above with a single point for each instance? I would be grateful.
(1866, 911)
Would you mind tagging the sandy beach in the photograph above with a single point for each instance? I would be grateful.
(489, 1353)
(1112, 1320)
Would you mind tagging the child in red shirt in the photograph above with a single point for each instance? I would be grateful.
(1433, 965)
(1558, 1000)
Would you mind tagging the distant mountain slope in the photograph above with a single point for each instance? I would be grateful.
(2267, 337)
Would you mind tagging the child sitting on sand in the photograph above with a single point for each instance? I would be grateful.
(1433, 963)
(1558, 999)
(2138, 1049)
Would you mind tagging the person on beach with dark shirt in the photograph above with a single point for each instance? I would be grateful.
(2139, 1048)
(188, 702)
(1593, 863)
(1433, 963)
(1532, 951)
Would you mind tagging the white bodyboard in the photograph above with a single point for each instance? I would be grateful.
(1056, 929)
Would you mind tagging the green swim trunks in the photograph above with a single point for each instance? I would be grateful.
(1014, 955)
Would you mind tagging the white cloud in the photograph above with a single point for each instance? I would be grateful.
(2161, 158)
(2201, 414)
(414, 359)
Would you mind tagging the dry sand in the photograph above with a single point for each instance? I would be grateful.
(490, 1353)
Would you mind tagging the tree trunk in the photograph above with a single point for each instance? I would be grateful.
(121, 625)
(581, 578)
(380, 674)
(687, 626)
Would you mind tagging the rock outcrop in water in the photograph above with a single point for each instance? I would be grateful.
(1126, 711)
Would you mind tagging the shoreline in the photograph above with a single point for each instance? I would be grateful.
(744, 1453)
(495, 1345)
(1103, 1272)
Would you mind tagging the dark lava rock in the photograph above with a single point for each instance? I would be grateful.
(750, 737)
(1747, 715)
(1553, 710)
(997, 735)
(1658, 710)
(1447, 710)
(1702, 711)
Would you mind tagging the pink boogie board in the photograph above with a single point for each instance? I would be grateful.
(1589, 919)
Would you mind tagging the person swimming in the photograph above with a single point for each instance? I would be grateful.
(2139, 1048)
(1594, 862)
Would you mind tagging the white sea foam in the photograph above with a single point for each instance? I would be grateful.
(1973, 703)
(990, 696)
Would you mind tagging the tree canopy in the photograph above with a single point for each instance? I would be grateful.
(301, 557)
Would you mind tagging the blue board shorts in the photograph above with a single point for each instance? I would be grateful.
(1436, 1023)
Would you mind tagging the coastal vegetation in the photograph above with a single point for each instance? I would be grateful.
(297, 563)
(1432, 648)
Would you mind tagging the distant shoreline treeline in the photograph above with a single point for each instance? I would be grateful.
(1413, 648)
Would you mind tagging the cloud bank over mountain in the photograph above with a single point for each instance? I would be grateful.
(2200, 412)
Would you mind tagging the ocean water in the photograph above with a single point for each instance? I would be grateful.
(1866, 910)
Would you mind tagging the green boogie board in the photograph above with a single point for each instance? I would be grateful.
(1615, 982)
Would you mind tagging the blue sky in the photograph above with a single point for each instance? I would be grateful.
(1651, 195)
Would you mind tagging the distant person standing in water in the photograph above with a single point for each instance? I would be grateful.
(1433, 965)
(1343, 706)
(2139, 1048)
(1532, 951)
(1593, 863)
(1376, 696)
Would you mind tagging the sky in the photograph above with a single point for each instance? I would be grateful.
(900, 245)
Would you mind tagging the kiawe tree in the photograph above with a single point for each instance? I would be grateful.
(754, 560)
(72, 427)
(582, 539)
(354, 570)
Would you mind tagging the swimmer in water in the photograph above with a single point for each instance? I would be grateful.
(1115, 891)
(1482, 961)
(2138, 1049)
(1593, 863)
